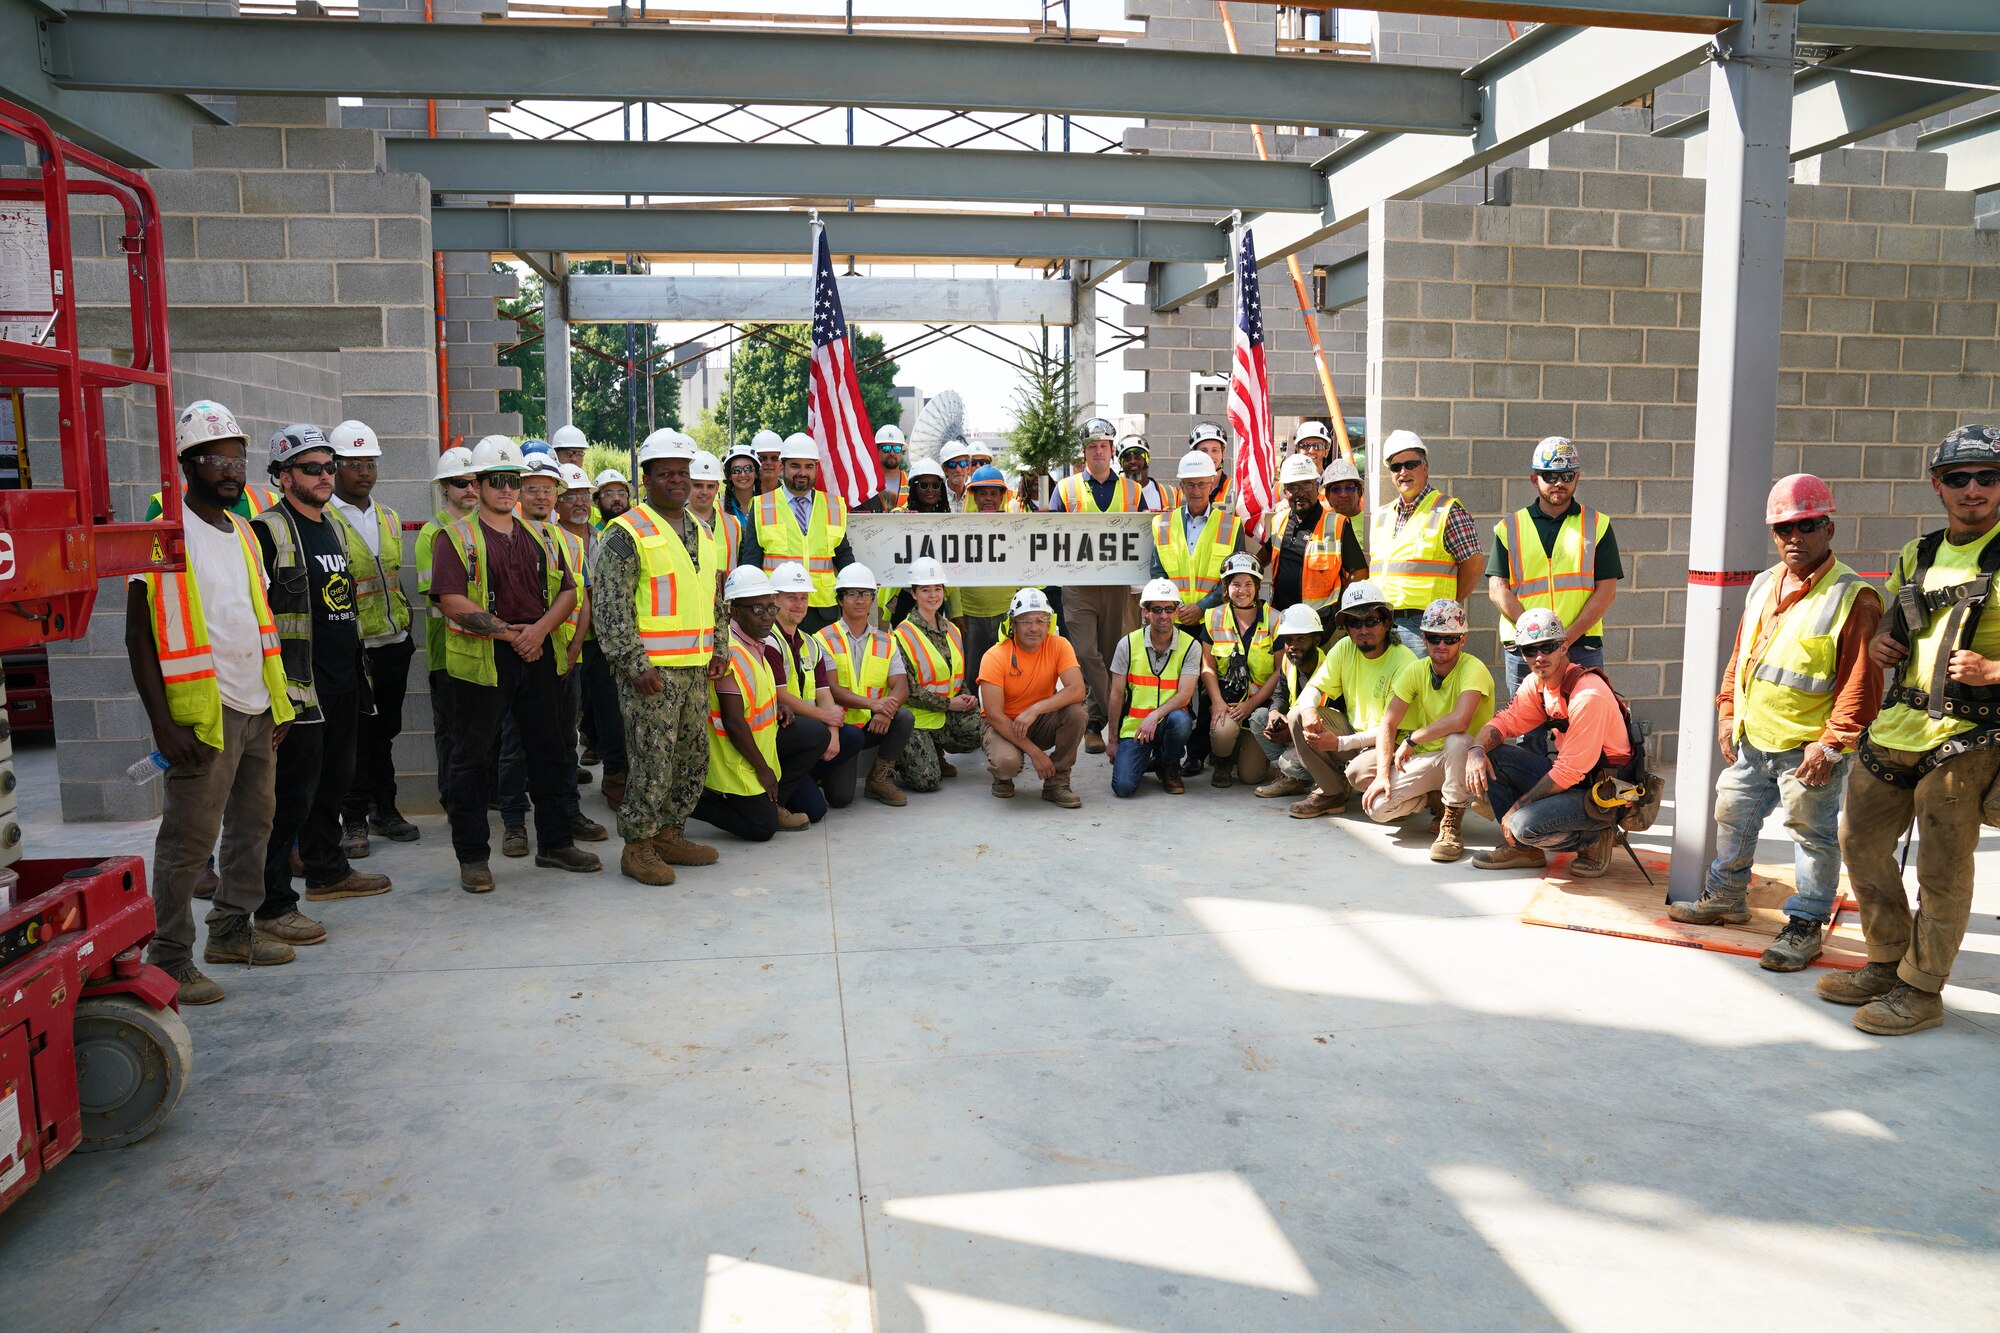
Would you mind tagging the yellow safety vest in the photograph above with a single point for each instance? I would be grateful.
(800, 676)
(255, 500)
(379, 604)
(1074, 493)
(727, 529)
(1785, 695)
(779, 537)
(1195, 571)
(1563, 583)
(469, 656)
(1225, 641)
(674, 597)
(556, 558)
(1415, 566)
(939, 673)
(873, 679)
(187, 662)
(728, 771)
(434, 626)
(1144, 690)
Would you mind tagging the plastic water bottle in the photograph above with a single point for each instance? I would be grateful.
(147, 769)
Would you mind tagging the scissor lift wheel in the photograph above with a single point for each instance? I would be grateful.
(132, 1062)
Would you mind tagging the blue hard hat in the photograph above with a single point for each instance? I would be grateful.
(988, 476)
(529, 448)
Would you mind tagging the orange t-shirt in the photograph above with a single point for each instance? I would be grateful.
(1023, 677)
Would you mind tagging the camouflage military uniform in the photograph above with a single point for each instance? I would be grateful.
(921, 767)
(666, 734)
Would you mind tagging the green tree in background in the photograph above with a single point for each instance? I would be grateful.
(597, 386)
(1046, 435)
(767, 383)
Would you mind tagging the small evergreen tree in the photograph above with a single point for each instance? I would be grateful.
(1046, 436)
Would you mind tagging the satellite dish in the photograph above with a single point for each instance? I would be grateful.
(942, 419)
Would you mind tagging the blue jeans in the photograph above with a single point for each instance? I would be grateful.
(1555, 823)
(1405, 626)
(1745, 795)
(1164, 752)
(1518, 670)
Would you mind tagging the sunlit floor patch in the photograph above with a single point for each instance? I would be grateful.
(744, 1297)
(952, 1312)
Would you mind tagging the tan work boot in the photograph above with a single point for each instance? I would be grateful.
(1594, 860)
(1902, 1011)
(1003, 788)
(790, 821)
(1507, 856)
(1715, 909)
(292, 928)
(613, 788)
(1435, 804)
(676, 850)
(641, 861)
(1093, 742)
(882, 784)
(1449, 844)
(194, 987)
(353, 885)
(947, 769)
(1871, 982)
(1059, 793)
(236, 942)
(1802, 940)
(1317, 804)
(1283, 786)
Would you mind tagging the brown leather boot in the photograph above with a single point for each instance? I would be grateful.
(882, 784)
(1449, 844)
(1871, 982)
(613, 788)
(355, 884)
(641, 861)
(1508, 856)
(676, 850)
(1902, 1011)
(1594, 860)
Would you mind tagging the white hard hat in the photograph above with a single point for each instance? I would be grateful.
(297, 439)
(1444, 616)
(574, 478)
(1297, 468)
(611, 476)
(1300, 618)
(890, 434)
(1311, 430)
(924, 570)
(354, 439)
(1207, 430)
(1338, 470)
(1160, 590)
(706, 467)
(1362, 592)
(926, 467)
(1099, 428)
(1028, 602)
(952, 451)
(453, 462)
(544, 465)
(798, 448)
(497, 453)
(1401, 441)
(980, 449)
(1539, 625)
(747, 581)
(204, 421)
(1240, 563)
(791, 577)
(665, 442)
(568, 437)
(856, 576)
(1195, 463)
(738, 451)
(1128, 442)
(766, 442)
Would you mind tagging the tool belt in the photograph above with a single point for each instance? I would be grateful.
(1632, 803)
(1906, 779)
(1968, 703)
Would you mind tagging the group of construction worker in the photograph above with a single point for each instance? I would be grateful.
(704, 632)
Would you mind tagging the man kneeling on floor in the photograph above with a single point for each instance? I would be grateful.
(747, 782)
(1540, 803)
(1153, 676)
(1031, 699)
(1420, 751)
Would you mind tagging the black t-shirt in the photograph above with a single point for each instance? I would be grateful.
(1289, 562)
(336, 631)
(1607, 563)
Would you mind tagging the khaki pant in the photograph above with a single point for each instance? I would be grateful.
(1442, 771)
(1252, 765)
(231, 791)
(1946, 805)
(1094, 620)
(1057, 733)
(1326, 768)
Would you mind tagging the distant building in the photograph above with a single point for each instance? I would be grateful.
(910, 400)
(703, 378)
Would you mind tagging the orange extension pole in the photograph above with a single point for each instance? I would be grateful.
(1298, 279)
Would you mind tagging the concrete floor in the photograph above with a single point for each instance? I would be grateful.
(985, 1067)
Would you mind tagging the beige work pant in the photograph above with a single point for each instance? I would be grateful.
(1324, 767)
(1252, 765)
(232, 791)
(1442, 771)
(1094, 620)
(1057, 733)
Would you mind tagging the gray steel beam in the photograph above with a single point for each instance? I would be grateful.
(171, 53)
(1933, 23)
(133, 130)
(1346, 283)
(620, 298)
(1972, 150)
(791, 171)
(1547, 80)
(1000, 237)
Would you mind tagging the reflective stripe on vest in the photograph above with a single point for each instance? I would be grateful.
(1415, 567)
(939, 673)
(872, 681)
(1145, 690)
(800, 677)
(1194, 572)
(556, 560)
(676, 629)
(729, 771)
(782, 543)
(187, 661)
(1225, 641)
(1793, 692)
(468, 656)
(379, 605)
(1560, 581)
(1074, 492)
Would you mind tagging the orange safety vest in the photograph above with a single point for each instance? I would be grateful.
(1323, 574)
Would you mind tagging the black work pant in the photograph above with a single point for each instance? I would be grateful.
(315, 767)
(528, 692)
(755, 818)
(373, 790)
(600, 709)
(444, 726)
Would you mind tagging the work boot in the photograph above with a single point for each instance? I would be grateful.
(947, 769)
(1801, 941)
(1449, 844)
(1507, 856)
(613, 788)
(352, 885)
(1172, 781)
(790, 821)
(514, 840)
(1871, 982)
(572, 858)
(1283, 786)
(1902, 1011)
(1190, 766)
(882, 784)
(641, 861)
(1058, 793)
(677, 850)
(236, 942)
(1435, 804)
(394, 827)
(354, 840)
(584, 777)
(1003, 788)
(1223, 774)
(207, 882)
(1726, 908)
(1317, 804)
(589, 755)
(585, 829)
(1595, 859)
(194, 987)
(1093, 742)
(294, 927)
(298, 866)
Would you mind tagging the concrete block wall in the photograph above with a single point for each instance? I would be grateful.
(1573, 307)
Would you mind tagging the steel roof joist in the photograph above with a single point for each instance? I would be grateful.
(1972, 150)
(627, 298)
(133, 131)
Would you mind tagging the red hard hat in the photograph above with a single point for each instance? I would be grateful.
(1801, 495)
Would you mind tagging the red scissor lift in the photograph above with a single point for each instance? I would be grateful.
(93, 1052)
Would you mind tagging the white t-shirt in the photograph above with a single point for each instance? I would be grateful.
(367, 525)
(216, 561)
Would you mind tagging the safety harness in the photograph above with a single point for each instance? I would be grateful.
(1910, 612)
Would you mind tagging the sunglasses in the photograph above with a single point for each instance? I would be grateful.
(1444, 640)
(460, 483)
(505, 481)
(1557, 478)
(1538, 650)
(1161, 610)
(1344, 487)
(312, 469)
(234, 466)
(1407, 465)
(1806, 526)
(895, 449)
(1958, 481)
(958, 463)
(1365, 622)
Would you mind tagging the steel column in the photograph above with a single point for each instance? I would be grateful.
(1736, 410)
(555, 344)
(1083, 349)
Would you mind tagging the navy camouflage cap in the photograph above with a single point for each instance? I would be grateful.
(1973, 443)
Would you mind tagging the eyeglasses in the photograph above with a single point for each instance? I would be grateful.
(1958, 481)
(1161, 610)
(234, 466)
(958, 463)
(1343, 487)
(1806, 526)
(1444, 640)
(460, 483)
(1557, 478)
(356, 463)
(1535, 650)
(1407, 465)
(1365, 622)
(505, 481)
(743, 467)
(312, 469)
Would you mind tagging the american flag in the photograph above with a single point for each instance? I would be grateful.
(1250, 396)
(835, 416)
